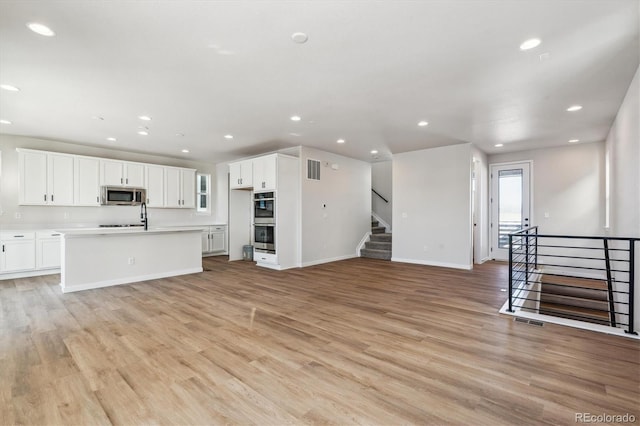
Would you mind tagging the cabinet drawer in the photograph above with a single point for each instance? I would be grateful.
(17, 236)
(218, 228)
(47, 234)
(261, 257)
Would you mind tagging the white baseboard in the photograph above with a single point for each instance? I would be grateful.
(32, 273)
(431, 263)
(484, 259)
(129, 280)
(332, 259)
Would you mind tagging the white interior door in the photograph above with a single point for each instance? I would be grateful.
(510, 204)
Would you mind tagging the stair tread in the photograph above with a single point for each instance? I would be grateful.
(574, 282)
(577, 298)
(546, 306)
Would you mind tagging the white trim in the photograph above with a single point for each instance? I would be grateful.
(484, 259)
(431, 263)
(568, 322)
(387, 227)
(328, 260)
(128, 280)
(30, 273)
(362, 242)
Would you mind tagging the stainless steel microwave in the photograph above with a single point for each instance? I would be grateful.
(122, 196)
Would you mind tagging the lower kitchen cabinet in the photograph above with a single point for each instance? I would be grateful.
(48, 253)
(214, 240)
(18, 251)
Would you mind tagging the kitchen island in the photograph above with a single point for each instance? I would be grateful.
(102, 257)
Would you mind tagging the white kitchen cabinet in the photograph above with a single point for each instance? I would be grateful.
(86, 181)
(48, 253)
(154, 177)
(265, 171)
(180, 187)
(18, 251)
(121, 173)
(45, 178)
(214, 240)
(241, 175)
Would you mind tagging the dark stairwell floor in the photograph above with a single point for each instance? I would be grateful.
(379, 244)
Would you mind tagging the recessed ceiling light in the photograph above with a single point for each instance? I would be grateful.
(97, 117)
(299, 38)
(40, 29)
(143, 132)
(573, 108)
(295, 118)
(374, 151)
(228, 136)
(423, 123)
(180, 134)
(186, 151)
(530, 44)
(5, 122)
(340, 141)
(499, 145)
(111, 139)
(9, 87)
(574, 140)
(144, 117)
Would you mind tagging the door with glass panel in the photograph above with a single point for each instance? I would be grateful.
(510, 204)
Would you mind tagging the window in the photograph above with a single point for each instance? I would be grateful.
(203, 193)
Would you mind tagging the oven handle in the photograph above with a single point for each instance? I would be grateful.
(264, 199)
(264, 224)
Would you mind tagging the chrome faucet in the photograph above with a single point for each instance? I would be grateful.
(143, 216)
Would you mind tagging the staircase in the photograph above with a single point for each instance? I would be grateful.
(574, 298)
(379, 244)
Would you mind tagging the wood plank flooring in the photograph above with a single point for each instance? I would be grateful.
(360, 341)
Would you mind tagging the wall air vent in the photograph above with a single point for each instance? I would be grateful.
(313, 169)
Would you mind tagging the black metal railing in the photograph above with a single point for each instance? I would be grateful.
(582, 278)
(378, 194)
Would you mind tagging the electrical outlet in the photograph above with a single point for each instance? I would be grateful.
(18, 215)
(132, 260)
(66, 215)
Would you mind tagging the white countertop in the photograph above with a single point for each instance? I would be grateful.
(131, 230)
(86, 226)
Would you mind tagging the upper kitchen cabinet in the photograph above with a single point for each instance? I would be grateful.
(121, 173)
(265, 170)
(180, 187)
(241, 175)
(45, 178)
(154, 176)
(86, 181)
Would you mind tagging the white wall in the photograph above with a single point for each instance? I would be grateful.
(623, 144)
(481, 200)
(432, 206)
(382, 181)
(333, 232)
(34, 216)
(568, 184)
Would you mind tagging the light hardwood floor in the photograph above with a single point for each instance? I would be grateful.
(359, 341)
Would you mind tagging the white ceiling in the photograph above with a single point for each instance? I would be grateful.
(369, 72)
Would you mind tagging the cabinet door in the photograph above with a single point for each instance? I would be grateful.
(48, 254)
(134, 175)
(235, 174)
(205, 241)
(264, 173)
(18, 255)
(154, 177)
(247, 173)
(188, 178)
(111, 173)
(87, 181)
(60, 179)
(172, 187)
(33, 178)
(217, 241)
